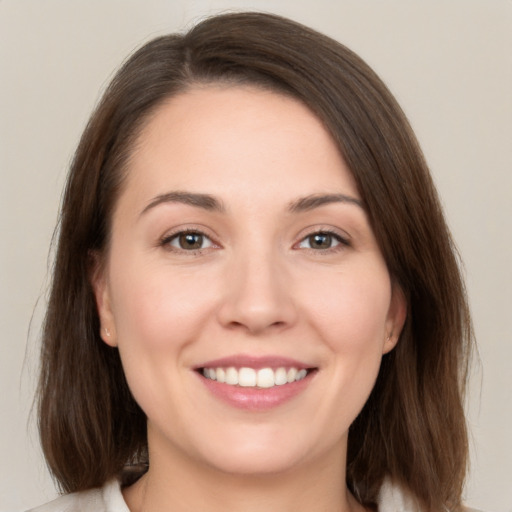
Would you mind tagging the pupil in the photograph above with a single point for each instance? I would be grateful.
(191, 241)
(321, 241)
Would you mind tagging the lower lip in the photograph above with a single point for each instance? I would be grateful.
(256, 399)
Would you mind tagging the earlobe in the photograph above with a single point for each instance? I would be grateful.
(99, 283)
(396, 318)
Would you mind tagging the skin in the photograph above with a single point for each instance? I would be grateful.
(257, 285)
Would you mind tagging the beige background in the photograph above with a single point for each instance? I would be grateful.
(449, 64)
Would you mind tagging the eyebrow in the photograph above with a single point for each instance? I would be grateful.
(204, 201)
(307, 203)
(211, 203)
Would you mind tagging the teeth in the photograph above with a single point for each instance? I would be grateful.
(280, 377)
(265, 378)
(247, 377)
(292, 373)
(251, 378)
(231, 376)
(221, 375)
(301, 374)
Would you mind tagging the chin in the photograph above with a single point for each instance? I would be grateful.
(262, 463)
(258, 451)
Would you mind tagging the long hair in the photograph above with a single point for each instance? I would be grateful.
(412, 428)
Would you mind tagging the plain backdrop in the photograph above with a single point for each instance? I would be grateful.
(447, 61)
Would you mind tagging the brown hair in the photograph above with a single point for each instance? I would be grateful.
(412, 428)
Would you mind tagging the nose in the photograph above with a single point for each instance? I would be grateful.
(258, 294)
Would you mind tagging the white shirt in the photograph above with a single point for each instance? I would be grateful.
(110, 499)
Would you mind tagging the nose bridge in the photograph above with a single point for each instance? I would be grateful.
(257, 290)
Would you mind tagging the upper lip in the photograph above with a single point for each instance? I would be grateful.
(256, 362)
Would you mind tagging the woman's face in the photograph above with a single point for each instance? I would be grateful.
(241, 251)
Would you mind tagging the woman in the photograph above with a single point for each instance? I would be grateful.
(256, 302)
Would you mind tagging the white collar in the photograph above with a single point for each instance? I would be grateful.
(393, 498)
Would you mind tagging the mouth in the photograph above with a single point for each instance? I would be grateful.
(256, 383)
(250, 377)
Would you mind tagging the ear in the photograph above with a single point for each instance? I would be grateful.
(396, 318)
(100, 286)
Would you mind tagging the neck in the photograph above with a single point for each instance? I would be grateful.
(185, 486)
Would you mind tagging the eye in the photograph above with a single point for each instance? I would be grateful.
(188, 241)
(322, 240)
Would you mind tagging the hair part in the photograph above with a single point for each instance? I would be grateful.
(412, 428)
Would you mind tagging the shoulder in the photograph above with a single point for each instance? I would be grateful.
(105, 499)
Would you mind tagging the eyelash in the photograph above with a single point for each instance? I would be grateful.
(342, 242)
(167, 241)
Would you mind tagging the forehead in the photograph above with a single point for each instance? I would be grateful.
(239, 140)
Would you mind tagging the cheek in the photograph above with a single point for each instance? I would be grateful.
(157, 308)
(158, 313)
(352, 321)
(352, 311)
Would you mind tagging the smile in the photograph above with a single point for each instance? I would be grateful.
(255, 378)
(256, 383)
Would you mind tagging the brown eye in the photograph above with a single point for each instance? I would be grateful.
(322, 241)
(189, 241)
